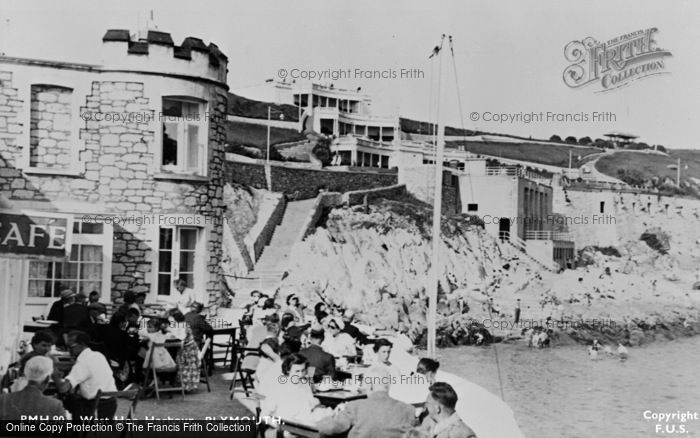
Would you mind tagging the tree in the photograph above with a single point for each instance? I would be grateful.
(571, 139)
(322, 150)
(555, 137)
(585, 141)
(660, 148)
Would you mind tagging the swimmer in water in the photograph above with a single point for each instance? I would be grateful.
(622, 352)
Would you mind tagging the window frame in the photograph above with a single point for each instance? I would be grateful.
(182, 148)
(104, 240)
(200, 269)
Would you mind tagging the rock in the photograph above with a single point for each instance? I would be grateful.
(657, 240)
(696, 285)
(637, 337)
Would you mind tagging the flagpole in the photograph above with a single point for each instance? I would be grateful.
(434, 276)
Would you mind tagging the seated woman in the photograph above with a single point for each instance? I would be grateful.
(320, 312)
(413, 389)
(428, 367)
(295, 308)
(269, 348)
(338, 343)
(292, 398)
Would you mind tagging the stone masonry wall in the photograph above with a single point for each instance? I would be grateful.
(50, 137)
(306, 183)
(118, 160)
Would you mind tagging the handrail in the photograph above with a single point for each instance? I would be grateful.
(547, 235)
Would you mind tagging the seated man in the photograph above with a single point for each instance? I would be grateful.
(41, 346)
(76, 316)
(56, 312)
(442, 420)
(376, 416)
(31, 400)
(323, 363)
(182, 297)
(90, 374)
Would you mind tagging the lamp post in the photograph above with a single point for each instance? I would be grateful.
(267, 160)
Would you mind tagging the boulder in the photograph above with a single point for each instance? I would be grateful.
(657, 240)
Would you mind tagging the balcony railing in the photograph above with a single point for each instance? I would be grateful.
(353, 140)
(547, 235)
(517, 171)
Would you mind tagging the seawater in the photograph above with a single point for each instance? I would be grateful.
(559, 392)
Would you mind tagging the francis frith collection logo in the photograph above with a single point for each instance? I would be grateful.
(616, 62)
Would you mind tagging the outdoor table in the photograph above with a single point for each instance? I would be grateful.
(299, 429)
(335, 397)
(34, 326)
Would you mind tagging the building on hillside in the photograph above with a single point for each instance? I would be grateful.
(125, 158)
(517, 206)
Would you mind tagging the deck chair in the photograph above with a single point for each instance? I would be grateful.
(204, 369)
(243, 372)
(151, 371)
(132, 393)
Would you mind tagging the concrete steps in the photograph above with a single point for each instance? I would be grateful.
(274, 260)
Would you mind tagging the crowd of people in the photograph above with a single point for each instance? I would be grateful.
(106, 353)
(296, 355)
(300, 354)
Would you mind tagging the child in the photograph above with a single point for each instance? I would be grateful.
(161, 357)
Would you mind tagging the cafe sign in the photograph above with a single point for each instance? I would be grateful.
(33, 235)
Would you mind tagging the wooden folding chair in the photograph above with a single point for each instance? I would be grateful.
(241, 374)
(132, 393)
(228, 348)
(152, 371)
(204, 371)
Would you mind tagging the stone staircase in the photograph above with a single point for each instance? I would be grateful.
(520, 245)
(270, 268)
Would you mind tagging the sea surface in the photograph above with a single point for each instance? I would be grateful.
(559, 392)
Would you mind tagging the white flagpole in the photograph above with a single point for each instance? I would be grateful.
(437, 209)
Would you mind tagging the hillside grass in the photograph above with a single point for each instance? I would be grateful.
(244, 107)
(552, 155)
(652, 165)
(241, 135)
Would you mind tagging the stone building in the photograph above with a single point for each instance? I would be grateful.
(130, 153)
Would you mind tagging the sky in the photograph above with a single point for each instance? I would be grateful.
(508, 55)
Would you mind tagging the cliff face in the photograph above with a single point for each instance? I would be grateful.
(358, 255)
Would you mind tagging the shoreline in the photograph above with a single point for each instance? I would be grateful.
(567, 332)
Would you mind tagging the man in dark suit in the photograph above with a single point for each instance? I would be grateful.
(376, 416)
(324, 363)
(76, 316)
(31, 400)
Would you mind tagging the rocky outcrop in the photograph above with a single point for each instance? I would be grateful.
(657, 240)
(376, 261)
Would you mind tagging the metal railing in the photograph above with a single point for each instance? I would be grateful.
(517, 171)
(547, 235)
